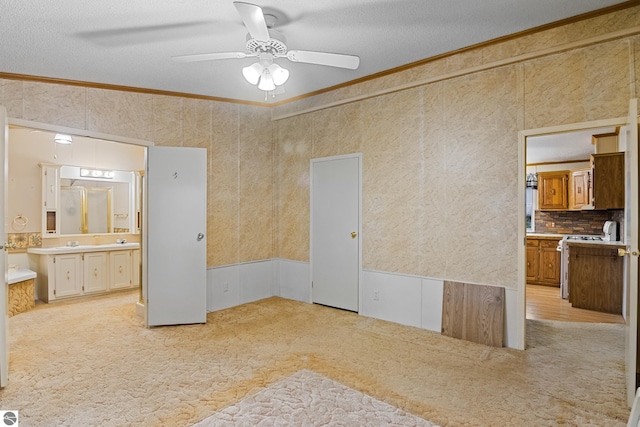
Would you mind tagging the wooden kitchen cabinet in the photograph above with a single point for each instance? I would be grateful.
(579, 188)
(543, 261)
(595, 278)
(607, 190)
(553, 190)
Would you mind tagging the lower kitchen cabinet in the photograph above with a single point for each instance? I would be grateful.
(543, 261)
(76, 274)
(595, 278)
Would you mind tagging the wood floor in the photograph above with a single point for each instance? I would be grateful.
(545, 303)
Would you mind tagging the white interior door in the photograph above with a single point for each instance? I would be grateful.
(175, 249)
(4, 295)
(335, 231)
(631, 240)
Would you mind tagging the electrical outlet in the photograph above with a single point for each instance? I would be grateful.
(376, 295)
(226, 287)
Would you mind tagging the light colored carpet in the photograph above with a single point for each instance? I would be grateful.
(91, 363)
(309, 399)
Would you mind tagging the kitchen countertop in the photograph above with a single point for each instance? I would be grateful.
(616, 244)
(546, 236)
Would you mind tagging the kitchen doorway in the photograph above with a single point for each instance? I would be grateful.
(628, 145)
(559, 210)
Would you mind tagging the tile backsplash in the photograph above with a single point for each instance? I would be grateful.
(577, 222)
(25, 240)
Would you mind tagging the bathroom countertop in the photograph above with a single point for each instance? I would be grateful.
(20, 275)
(83, 248)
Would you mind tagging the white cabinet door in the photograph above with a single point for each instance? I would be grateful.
(50, 187)
(120, 262)
(135, 267)
(95, 272)
(68, 275)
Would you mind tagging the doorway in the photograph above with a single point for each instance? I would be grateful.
(559, 163)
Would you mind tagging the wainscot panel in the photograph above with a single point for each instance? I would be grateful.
(432, 304)
(293, 280)
(393, 297)
(256, 281)
(223, 290)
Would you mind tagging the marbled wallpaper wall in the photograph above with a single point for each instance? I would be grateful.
(440, 159)
(440, 195)
(238, 139)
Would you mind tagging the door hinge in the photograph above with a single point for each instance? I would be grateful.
(54, 292)
(312, 283)
(54, 260)
(83, 289)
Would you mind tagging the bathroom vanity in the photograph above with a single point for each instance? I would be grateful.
(74, 271)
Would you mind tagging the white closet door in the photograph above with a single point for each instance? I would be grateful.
(175, 246)
(335, 231)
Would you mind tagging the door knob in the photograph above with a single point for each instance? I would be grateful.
(625, 251)
(354, 234)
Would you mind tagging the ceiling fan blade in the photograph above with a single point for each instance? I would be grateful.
(253, 19)
(323, 58)
(211, 56)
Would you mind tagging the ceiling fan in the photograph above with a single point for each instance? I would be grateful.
(267, 44)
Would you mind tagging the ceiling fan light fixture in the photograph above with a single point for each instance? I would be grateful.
(280, 75)
(266, 81)
(252, 73)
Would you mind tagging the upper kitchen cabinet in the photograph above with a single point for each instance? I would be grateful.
(607, 190)
(579, 187)
(553, 190)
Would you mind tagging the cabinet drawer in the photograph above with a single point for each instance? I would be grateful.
(549, 244)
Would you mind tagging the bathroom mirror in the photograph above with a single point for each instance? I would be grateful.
(97, 201)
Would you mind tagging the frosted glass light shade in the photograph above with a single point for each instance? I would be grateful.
(266, 81)
(252, 73)
(280, 75)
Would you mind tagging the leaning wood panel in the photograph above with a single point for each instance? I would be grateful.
(452, 308)
(484, 315)
(473, 313)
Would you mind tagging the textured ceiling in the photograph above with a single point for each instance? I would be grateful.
(130, 43)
